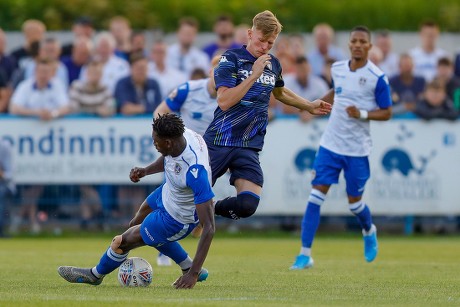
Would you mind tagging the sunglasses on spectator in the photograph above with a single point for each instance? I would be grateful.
(225, 36)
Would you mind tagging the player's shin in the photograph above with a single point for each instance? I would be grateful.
(108, 263)
(363, 214)
(311, 220)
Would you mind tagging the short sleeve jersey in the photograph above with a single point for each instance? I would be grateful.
(187, 180)
(366, 88)
(244, 124)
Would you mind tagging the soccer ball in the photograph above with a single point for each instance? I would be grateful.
(135, 272)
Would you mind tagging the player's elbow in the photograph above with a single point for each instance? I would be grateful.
(387, 114)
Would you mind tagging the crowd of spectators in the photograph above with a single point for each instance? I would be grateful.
(113, 71)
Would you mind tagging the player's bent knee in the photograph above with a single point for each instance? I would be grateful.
(116, 242)
(247, 204)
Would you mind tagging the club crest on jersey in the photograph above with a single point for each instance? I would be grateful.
(362, 81)
(177, 168)
(269, 65)
(223, 59)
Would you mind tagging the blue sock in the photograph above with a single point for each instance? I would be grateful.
(174, 251)
(363, 214)
(311, 217)
(109, 262)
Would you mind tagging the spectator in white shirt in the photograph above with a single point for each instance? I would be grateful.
(168, 77)
(305, 84)
(42, 96)
(114, 68)
(183, 55)
(426, 55)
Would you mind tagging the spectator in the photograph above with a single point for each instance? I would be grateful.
(7, 187)
(121, 30)
(406, 88)
(50, 49)
(82, 28)
(183, 55)
(138, 42)
(168, 77)
(7, 63)
(42, 96)
(45, 97)
(90, 96)
(81, 54)
(114, 68)
(283, 52)
(435, 103)
(452, 82)
(324, 37)
(326, 75)
(304, 84)
(19, 74)
(241, 34)
(224, 29)
(457, 65)
(137, 94)
(375, 55)
(389, 62)
(34, 31)
(426, 55)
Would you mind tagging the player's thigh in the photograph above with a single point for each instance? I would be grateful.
(159, 228)
(356, 173)
(246, 171)
(326, 168)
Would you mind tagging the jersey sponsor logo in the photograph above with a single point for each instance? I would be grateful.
(194, 172)
(177, 168)
(264, 78)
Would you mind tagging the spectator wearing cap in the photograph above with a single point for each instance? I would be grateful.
(137, 94)
(82, 27)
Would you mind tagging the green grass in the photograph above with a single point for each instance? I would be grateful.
(251, 271)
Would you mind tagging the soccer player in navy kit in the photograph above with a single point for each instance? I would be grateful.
(245, 78)
(169, 213)
(361, 93)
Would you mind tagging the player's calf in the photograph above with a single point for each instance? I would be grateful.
(242, 206)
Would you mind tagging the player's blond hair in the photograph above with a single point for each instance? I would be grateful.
(267, 23)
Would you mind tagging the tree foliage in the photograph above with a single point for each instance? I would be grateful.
(295, 15)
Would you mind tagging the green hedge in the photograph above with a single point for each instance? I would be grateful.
(295, 15)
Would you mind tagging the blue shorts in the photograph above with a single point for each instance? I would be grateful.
(159, 227)
(243, 163)
(328, 165)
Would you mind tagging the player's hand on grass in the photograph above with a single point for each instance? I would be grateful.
(320, 107)
(136, 174)
(186, 281)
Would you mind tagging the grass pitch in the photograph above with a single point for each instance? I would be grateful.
(251, 271)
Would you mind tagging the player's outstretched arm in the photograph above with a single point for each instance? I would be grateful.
(162, 109)
(138, 172)
(205, 213)
(288, 97)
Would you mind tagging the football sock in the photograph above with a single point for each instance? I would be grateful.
(109, 262)
(186, 264)
(243, 205)
(311, 218)
(363, 214)
(174, 251)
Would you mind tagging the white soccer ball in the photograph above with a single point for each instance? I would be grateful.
(135, 272)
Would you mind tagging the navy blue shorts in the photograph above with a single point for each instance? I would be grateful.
(243, 163)
(328, 165)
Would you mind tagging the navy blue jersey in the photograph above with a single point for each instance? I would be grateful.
(244, 124)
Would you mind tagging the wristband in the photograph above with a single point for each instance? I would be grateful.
(363, 114)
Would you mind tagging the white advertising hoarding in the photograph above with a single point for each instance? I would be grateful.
(414, 164)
